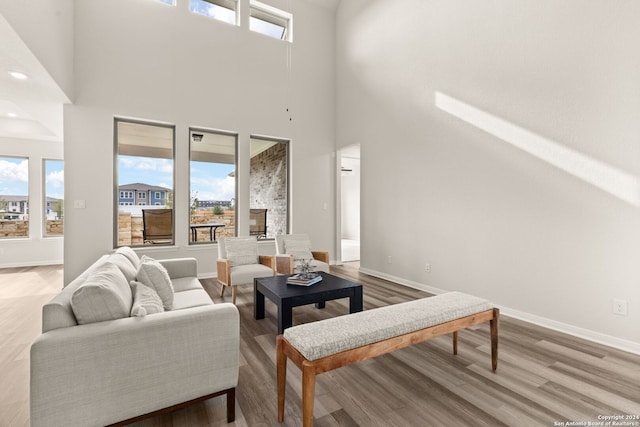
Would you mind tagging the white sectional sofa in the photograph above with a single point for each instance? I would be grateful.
(102, 372)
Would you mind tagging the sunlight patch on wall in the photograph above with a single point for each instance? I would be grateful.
(595, 172)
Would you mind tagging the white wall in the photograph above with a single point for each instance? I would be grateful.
(47, 28)
(552, 237)
(143, 59)
(36, 249)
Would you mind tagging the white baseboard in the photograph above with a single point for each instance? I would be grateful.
(597, 337)
(31, 264)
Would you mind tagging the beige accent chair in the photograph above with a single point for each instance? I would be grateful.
(239, 263)
(292, 247)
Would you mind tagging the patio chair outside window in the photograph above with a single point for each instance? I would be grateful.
(258, 223)
(157, 225)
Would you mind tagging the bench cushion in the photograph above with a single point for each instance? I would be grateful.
(330, 336)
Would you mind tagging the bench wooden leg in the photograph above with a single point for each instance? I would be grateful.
(308, 393)
(281, 373)
(455, 342)
(231, 405)
(494, 339)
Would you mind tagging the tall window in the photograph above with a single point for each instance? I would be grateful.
(269, 187)
(222, 10)
(143, 164)
(14, 197)
(272, 22)
(212, 185)
(53, 197)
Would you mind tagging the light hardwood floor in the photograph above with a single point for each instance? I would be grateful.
(543, 376)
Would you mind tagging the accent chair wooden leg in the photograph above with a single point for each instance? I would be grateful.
(494, 339)
(281, 372)
(222, 288)
(308, 393)
(231, 405)
(455, 342)
(234, 292)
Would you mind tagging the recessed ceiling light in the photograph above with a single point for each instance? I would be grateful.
(12, 115)
(18, 75)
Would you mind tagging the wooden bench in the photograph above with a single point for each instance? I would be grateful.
(329, 344)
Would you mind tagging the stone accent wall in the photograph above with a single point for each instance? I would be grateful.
(14, 228)
(268, 188)
(54, 227)
(18, 228)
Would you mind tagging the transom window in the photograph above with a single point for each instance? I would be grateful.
(268, 20)
(222, 10)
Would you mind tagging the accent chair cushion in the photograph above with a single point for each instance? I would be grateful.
(105, 295)
(244, 274)
(300, 249)
(145, 300)
(242, 250)
(153, 274)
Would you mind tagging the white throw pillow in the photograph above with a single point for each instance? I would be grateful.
(242, 250)
(300, 249)
(153, 274)
(105, 295)
(145, 300)
(130, 254)
(123, 263)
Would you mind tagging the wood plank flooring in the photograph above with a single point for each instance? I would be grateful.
(543, 377)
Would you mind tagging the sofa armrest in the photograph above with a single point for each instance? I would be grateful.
(110, 371)
(284, 264)
(321, 256)
(180, 267)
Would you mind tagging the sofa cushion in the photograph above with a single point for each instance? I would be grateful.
(242, 250)
(145, 300)
(130, 254)
(300, 249)
(105, 295)
(153, 274)
(191, 298)
(185, 283)
(124, 264)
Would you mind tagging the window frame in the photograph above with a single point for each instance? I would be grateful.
(235, 135)
(45, 204)
(10, 204)
(116, 204)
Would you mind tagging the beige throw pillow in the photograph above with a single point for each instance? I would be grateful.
(105, 295)
(300, 249)
(145, 300)
(242, 250)
(153, 274)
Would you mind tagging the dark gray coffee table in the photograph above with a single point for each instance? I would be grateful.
(288, 296)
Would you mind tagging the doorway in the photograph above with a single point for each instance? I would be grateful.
(349, 222)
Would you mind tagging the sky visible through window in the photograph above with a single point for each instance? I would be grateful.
(266, 28)
(220, 13)
(211, 181)
(14, 177)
